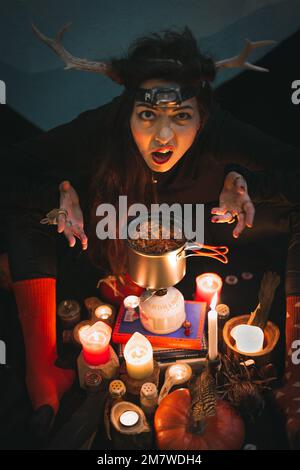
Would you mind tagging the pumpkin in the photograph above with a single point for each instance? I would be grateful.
(212, 424)
(113, 290)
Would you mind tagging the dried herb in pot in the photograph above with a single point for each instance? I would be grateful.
(244, 387)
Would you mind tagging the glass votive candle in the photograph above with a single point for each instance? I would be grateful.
(207, 285)
(103, 313)
(69, 313)
(83, 324)
(95, 343)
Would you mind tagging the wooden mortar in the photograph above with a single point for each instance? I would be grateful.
(271, 336)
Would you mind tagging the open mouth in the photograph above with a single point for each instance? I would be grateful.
(162, 156)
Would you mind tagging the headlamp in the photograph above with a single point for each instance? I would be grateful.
(165, 96)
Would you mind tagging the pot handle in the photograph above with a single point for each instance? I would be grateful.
(216, 252)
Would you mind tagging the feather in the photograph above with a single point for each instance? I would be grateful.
(203, 396)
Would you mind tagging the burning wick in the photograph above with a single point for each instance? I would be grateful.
(129, 418)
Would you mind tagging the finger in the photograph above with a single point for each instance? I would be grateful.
(61, 222)
(218, 210)
(68, 232)
(241, 190)
(240, 185)
(239, 226)
(82, 237)
(250, 213)
(222, 219)
(65, 186)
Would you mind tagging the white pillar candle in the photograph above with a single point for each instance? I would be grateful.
(249, 339)
(138, 355)
(213, 330)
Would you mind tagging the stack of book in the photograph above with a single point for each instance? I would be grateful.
(172, 347)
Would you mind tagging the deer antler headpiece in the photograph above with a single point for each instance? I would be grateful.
(137, 66)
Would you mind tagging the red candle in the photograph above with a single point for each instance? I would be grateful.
(95, 343)
(207, 285)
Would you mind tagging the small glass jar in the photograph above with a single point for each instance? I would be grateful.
(93, 381)
(149, 398)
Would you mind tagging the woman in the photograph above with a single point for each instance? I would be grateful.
(163, 140)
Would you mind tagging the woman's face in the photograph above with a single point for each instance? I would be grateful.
(163, 135)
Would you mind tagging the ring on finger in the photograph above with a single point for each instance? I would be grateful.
(230, 221)
(234, 217)
(62, 212)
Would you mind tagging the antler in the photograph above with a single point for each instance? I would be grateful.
(71, 61)
(239, 61)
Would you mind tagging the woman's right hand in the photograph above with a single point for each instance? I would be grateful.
(234, 201)
(72, 224)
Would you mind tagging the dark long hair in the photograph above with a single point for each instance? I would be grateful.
(121, 169)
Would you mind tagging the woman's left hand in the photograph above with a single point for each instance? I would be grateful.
(71, 225)
(234, 202)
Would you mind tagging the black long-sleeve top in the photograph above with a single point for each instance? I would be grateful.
(34, 169)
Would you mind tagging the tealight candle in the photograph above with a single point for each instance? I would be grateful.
(207, 285)
(129, 418)
(95, 343)
(213, 330)
(103, 313)
(249, 338)
(138, 355)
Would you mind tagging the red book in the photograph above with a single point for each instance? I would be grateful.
(195, 313)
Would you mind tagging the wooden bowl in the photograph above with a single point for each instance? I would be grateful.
(271, 336)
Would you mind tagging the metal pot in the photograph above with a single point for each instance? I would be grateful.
(165, 270)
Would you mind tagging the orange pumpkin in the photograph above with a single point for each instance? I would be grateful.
(174, 430)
